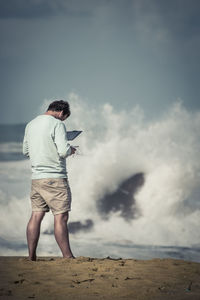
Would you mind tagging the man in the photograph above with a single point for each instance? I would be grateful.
(45, 143)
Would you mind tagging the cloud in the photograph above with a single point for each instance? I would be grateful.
(39, 8)
(159, 16)
(167, 22)
(25, 9)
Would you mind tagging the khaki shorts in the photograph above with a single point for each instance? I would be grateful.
(51, 193)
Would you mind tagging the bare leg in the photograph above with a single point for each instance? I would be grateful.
(62, 235)
(33, 232)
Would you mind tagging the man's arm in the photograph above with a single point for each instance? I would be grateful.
(63, 147)
(25, 144)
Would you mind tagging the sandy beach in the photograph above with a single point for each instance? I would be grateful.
(92, 278)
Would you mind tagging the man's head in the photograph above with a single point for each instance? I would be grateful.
(59, 109)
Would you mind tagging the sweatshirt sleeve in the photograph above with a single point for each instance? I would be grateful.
(25, 144)
(60, 139)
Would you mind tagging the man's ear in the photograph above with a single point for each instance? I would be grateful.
(60, 114)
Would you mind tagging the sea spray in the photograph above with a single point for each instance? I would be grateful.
(114, 146)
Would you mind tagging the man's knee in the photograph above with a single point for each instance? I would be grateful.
(63, 217)
(38, 215)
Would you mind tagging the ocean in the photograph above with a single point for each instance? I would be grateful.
(135, 186)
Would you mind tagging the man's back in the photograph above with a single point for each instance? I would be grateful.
(45, 142)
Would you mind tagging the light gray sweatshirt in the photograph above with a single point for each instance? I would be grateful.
(45, 143)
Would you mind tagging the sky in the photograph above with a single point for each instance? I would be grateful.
(124, 52)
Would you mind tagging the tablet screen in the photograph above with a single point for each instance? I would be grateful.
(71, 135)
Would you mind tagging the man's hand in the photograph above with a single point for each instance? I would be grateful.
(73, 150)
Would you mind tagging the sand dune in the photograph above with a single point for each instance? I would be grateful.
(91, 278)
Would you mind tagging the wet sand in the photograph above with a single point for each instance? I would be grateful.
(90, 278)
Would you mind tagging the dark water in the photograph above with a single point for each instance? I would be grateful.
(11, 133)
(11, 138)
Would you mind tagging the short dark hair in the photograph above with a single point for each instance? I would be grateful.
(60, 105)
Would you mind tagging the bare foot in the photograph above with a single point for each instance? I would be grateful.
(33, 258)
(72, 257)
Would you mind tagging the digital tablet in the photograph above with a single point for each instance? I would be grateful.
(71, 135)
